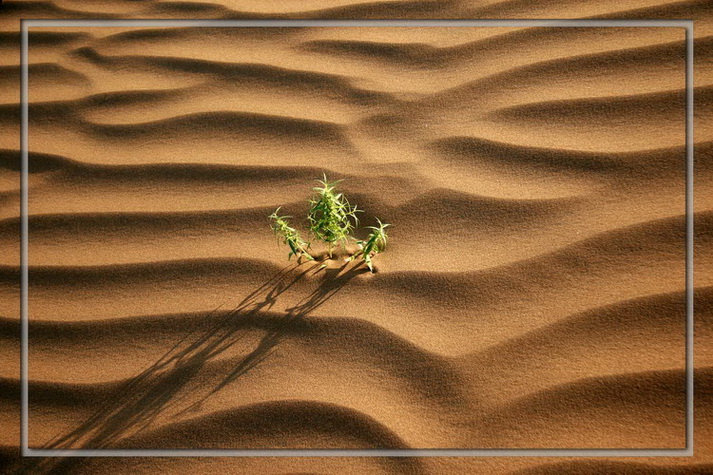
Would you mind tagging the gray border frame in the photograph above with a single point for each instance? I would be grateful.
(24, 317)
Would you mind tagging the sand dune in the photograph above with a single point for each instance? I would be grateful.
(636, 397)
(533, 294)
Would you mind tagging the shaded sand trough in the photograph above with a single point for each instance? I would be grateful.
(532, 296)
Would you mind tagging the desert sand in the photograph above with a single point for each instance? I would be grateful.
(532, 294)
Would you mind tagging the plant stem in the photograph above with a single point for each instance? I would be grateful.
(329, 247)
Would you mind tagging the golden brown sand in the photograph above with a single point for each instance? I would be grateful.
(533, 294)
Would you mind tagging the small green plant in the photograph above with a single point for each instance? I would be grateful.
(331, 219)
(289, 235)
(330, 215)
(374, 244)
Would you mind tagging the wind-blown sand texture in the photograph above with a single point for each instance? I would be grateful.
(533, 294)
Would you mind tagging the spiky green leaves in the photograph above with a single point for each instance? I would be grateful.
(331, 217)
(331, 220)
(289, 235)
(374, 244)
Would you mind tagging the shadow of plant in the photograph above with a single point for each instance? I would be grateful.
(165, 384)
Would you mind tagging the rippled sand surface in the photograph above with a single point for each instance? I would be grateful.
(533, 294)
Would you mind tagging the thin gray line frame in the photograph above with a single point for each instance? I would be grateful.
(26, 451)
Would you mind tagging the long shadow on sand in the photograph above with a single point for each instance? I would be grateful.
(165, 384)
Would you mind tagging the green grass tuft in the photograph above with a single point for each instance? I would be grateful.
(331, 220)
(331, 217)
(374, 244)
(289, 235)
